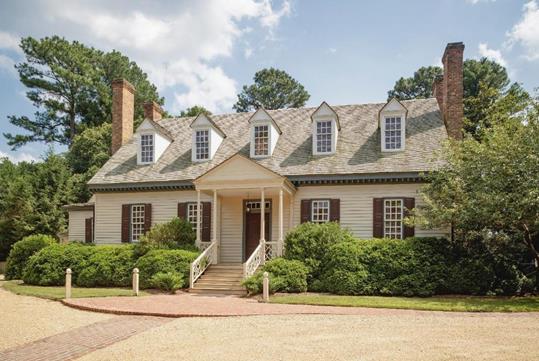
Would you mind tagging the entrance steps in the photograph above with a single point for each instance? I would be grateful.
(221, 279)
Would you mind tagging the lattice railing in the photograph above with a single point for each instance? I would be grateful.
(253, 262)
(272, 250)
(203, 261)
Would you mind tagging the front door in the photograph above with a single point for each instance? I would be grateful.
(251, 233)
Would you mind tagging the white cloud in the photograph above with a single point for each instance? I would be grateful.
(7, 64)
(247, 52)
(17, 157)
(332, 50)
(491, 54)
(9, 41)
(474, 2)
(526, 31)
(178, 46)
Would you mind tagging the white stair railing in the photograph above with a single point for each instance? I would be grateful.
(253, 262)
(203, 261)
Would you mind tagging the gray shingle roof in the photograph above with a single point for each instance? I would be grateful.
(358, 146)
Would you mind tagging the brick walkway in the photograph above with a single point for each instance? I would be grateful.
(78, 342)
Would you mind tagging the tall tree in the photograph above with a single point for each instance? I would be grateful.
(194, 111)
(272, 89)
(70, 85)
(418, 86)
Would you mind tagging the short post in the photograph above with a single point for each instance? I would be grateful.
(265, 287)
(135, 281)
(68, 283)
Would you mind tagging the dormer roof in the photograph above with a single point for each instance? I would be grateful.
(203, 120)
(260, 114)
(150, 124)
(325, 109)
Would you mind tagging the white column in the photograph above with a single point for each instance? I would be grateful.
(281, 230)
(214, 216)
(262, 216)
(199, 218)
(291, 213)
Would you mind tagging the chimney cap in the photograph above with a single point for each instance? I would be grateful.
(154, 105)
(456, 45)
(122, 83)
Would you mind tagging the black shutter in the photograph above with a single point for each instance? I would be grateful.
(378, 217)
(88, 230)
(335, 210)
(147, 217)
(182, 210)
(206, 222)
(305, 210)
(409, 204)
(126, 222)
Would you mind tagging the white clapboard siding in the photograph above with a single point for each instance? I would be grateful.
(77, 224)
(356, 204)
(231, 230)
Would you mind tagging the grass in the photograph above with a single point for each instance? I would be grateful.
(439, 303)
(57, 293)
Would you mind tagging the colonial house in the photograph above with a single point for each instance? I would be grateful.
(244, 180)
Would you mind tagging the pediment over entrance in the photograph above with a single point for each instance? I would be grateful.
(240, 172)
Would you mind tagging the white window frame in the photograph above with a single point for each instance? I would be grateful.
(333, 135)
(192, 214)
(140, 149)
(320, 204)
(253, 140)
(136, 226)
(402, 130)
(196, 155)
(392, 234)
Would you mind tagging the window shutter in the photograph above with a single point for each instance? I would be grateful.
(147, 217)
(334, 210)
(305, 210)
(409, 204)
(126, 221)
(378, 217)
(88, 230)
(206, 222)
(182, 210)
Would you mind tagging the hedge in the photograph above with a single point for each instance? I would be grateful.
(284, 276)
(164, 261)
(22, 250)
(107, 266)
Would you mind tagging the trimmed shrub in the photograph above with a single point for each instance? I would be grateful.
(108, 266)
(164, 261)
(175, 234)
(284, 276)
(22, 250)
(47, 267)
(170, 281)
(309, 243)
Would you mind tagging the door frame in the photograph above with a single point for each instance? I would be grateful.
(244, 225)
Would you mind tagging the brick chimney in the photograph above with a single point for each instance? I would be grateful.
(449, 89)
(123, 112)
(153, 111)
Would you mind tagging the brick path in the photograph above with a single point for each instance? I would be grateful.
(78, 342)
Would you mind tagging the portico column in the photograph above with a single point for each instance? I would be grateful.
(199, 218)
(214, 217)
(280, 240)
(263, 224)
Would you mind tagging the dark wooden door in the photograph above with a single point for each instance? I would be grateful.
(252, 231)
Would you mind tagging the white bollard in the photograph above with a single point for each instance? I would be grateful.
(265, 287)
(68, 283)
(135, 281)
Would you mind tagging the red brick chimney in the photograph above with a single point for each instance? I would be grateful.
(153, 111)
(449, 89)
(123, 112)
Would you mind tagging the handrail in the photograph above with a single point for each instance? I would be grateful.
(202, 262)
(255, 259)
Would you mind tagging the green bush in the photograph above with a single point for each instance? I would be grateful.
(309, 243)
(47, 266)
(284, 276)
(170, 281)
(108, 266)
(164, 261)
(22, 251)
(175, 234)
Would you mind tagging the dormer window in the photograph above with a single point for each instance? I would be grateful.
(147, 148)
(392, 121)
(207, 137)
(202, 144)
(325, 130)
(264, 134)
(261, 140)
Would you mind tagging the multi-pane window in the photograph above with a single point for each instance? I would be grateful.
(192, 214)
(261, 139)
(393, 215)
(393, 133)
(320, 211)
(202, 144)
(323, 136)
(146, 148)
(137, 222)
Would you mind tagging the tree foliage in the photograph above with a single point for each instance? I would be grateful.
(194, 111)
(272, 89)
(70, 86)
(417, 86)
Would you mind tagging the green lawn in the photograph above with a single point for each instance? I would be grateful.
(440, 303)
(56, 293)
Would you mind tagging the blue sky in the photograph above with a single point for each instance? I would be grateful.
(202, 52)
